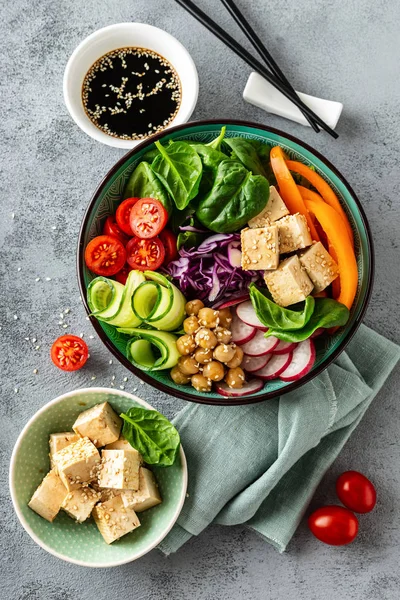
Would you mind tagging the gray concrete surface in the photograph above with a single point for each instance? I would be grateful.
(347, 51)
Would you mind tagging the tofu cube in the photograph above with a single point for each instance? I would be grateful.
(260, 248)
(119, 469)
(289, 283)
(114, 520)
(293, 233)
(58, 441)
(319, 266)
(100, 424)
(49, 496)
(121, 444)
(79, 503)
(147, 495)
(105, 493)
(78, 463)
(274, 210)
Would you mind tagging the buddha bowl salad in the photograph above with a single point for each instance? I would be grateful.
(222, 263)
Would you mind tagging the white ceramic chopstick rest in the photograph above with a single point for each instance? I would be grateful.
(261, 93)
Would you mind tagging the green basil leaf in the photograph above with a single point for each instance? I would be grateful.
(144, 183)
(274, 316)
(151, 434)
(179, 168)
(327, 313)
(244, 151)
(236, 197)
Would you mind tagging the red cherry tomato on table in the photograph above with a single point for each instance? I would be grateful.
(105, 255)
(122, 275)
(169, 240)
(145, 255)
(356, 491)
(123, 213)
(69, 353)
(111, 227)
(147, 218)
(333, 525)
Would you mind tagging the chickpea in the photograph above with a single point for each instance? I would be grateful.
(237, 359)
(214, 371)
(224, 353)
(188, 365)
(235, 378)
(225, 317)
(200, 383)
(203, 355)
(179, 377)
(193, 306)
(206, 338)
(208, 317)
(191, 324)
(223, 335)
(186, 345)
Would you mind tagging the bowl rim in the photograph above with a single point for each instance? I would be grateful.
(83, 123)
(182, 393)
(13, 493)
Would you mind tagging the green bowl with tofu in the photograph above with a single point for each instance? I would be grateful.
(86, 496)
(273, 233)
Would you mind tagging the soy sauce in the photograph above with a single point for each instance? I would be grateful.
(131, 93)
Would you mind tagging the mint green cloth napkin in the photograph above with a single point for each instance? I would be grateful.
(261, 464)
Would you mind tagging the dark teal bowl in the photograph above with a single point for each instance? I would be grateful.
(109, 193)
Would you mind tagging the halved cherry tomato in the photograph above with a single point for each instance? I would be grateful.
(356, 491)
(122, 275)
(69, 353)
(147, 218)
(169, 241)
(105, 255)
(123, 213)
(145, 255)
(111, 227)
(334, 525)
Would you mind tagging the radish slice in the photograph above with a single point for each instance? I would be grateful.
(255, 363)
(259, 345)
(233, 302)
(276, 366)
(246, 312)
(284, 347)
(303, 359)
(250, 387)
(234, 254)
(241, 333)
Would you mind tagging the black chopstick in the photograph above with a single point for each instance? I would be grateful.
(251, 61)
(257, 44)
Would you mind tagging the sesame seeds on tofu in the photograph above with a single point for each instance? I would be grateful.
(260, 248)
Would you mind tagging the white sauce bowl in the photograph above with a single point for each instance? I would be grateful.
(124, 35)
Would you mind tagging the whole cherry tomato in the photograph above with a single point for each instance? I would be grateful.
(356, 491)
(69, 353)
(333, 525)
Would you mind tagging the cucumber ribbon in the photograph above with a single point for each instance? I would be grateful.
(151, 350)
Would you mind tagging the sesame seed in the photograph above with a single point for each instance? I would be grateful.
(35, 371)
(37, 279)
(48, 278)
(15, 317)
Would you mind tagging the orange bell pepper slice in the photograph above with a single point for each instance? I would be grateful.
(332, 224)
(323, 188)
(289, 190)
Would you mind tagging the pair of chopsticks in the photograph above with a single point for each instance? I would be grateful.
(272, 74)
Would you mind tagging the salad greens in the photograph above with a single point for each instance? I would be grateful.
(236, 197)
(218, 140)
(143, 183)
(276, 317)
(327, 313)
(151, 434)
(179, 168)
(244, 151)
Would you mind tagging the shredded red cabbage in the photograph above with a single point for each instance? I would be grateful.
(211, 272)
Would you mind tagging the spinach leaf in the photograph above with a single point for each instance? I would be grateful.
(189, 239)
(151, 154)
(327, 313)
(143, 183)
(152, 435)
(179, 168)
(216, 144)
(236, 197)
(244, 151)
(210, 158)
(277, 317)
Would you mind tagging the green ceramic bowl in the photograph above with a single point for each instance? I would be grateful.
(82, 544)
(109, 194)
